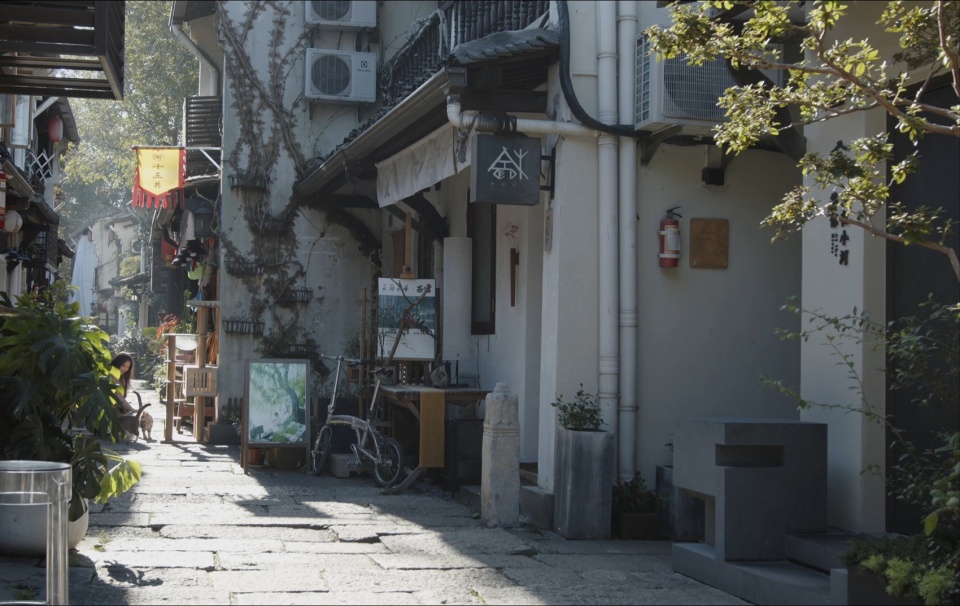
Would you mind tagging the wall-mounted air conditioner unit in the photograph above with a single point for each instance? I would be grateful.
(672, 93)
(342, 14)
(341, 76)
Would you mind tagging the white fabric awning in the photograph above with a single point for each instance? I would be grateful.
(428, 161)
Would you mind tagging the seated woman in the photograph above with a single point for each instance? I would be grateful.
(123, 362)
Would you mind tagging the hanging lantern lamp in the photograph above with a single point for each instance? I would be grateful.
(55, 129)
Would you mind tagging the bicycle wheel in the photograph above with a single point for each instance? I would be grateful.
(321, 449)
(387, 469)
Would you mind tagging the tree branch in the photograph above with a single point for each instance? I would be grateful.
(951, 254)
(952, 56)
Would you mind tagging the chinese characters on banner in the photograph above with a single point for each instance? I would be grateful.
(159, 176)
(418, 341)
(838, 234)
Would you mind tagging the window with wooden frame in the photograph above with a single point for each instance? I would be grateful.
(482, 229)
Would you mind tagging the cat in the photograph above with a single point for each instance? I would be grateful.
(131, 423)
(146, 426)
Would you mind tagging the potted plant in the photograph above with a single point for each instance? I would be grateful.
(634, 510)
(55, 377)
(584, 469)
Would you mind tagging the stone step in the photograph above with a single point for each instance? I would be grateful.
(820, 551)
(469, 496)
(780, 582)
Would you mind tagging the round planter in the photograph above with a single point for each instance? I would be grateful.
(23, 524)
(255, 456)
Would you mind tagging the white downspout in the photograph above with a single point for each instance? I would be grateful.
(609, 236)
(627, 438)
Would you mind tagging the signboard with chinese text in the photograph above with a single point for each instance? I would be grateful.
(506, 170)
(415, 299)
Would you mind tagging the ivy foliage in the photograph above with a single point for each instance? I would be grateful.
(55, 376)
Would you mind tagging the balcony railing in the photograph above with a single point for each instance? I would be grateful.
(454, 23)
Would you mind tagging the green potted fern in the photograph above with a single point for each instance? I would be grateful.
(55, 378)
(584, 469)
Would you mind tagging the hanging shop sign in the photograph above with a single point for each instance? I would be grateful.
(506, 170)
(159, 177)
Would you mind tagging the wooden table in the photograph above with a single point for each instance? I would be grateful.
(428, 406)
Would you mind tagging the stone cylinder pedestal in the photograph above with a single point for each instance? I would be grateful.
(500, 475)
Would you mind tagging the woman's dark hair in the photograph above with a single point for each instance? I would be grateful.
(117, 362)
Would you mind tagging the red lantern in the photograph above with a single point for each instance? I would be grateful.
(55, 129)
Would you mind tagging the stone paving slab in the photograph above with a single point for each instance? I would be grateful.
(198, 529)
(265, 581)
(203, 560)
(311, 561)
(335, 597)
(460, 582)
(206, 531)
(468, 540)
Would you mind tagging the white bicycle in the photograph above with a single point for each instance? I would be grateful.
(385, 454)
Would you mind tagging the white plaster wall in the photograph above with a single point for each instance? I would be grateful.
(335, 271)
(569, 337)
(856, 500)
(570, 306)
(706, 336)
(512, 354)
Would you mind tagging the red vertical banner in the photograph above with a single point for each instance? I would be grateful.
(159, 176)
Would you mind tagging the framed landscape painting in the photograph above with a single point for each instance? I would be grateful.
(276, 413)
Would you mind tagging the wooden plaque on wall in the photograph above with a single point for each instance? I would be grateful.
(709, 243)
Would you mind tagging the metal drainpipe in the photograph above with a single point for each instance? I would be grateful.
(609, 236)
(472, 119)
(627, 438)
(177, 29)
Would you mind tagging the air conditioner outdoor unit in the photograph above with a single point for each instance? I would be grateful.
(341, 76)
(342, 14)
(672, 93)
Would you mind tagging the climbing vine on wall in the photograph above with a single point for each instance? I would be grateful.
(266, 121)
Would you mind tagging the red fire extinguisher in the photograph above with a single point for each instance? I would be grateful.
(670, 238)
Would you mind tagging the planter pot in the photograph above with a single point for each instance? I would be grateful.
(254, 456)
(584, 481)
(285, 458)
(23, 525)
(634, 526)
